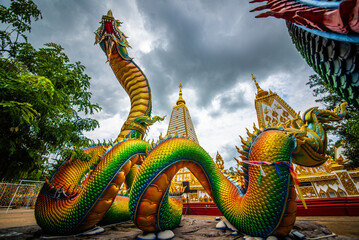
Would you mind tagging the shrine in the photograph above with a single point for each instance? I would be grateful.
(181, 124)
(329, 180)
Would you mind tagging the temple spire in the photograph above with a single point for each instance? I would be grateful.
(180, 99)
(260, 91)
(180, 122)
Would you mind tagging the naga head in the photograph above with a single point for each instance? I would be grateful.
(310, 134)
(110, 37)
(315, 117)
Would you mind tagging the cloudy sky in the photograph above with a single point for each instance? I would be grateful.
(211, 47)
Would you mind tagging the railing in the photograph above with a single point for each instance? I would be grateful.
(22, 194)
(346, 206)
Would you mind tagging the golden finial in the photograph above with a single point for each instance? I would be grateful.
(260, 91)
(257, 85)
(109, 13)
(180, 99)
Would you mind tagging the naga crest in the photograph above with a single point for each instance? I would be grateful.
(110, 37)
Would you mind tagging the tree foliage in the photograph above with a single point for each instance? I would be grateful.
(42, 95)
(17, 19)
(348, 130)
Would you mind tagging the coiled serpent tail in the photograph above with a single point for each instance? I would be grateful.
(80, 193)
(59, 211)
(258, 212)
(264, 206)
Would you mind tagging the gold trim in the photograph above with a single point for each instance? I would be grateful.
(353, 174)
(347, 182)
(314, 178)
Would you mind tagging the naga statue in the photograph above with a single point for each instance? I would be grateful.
(326, 33)
(80, 194)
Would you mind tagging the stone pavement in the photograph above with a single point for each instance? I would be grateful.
(21, 224)
(345, 226)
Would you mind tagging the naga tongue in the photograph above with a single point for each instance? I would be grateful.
(108, 27)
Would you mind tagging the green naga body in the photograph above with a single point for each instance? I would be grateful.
(66, 213)
(258, 212)
(265, 206)
(82, 193)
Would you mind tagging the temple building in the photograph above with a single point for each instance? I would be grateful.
(328, 180)
(180, 121)
(181, 124)
(270, 108)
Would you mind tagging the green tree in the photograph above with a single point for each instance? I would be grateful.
(41, 96)
(348, 128)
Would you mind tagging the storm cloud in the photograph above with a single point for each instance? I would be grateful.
(211, 47)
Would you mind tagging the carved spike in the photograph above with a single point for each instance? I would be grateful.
(251, 135)
(238, 150)
(245, 158)
(255, 128)
(238, 161)
(245, 148)
(257, 132)
(243, 152)
(244, 142)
